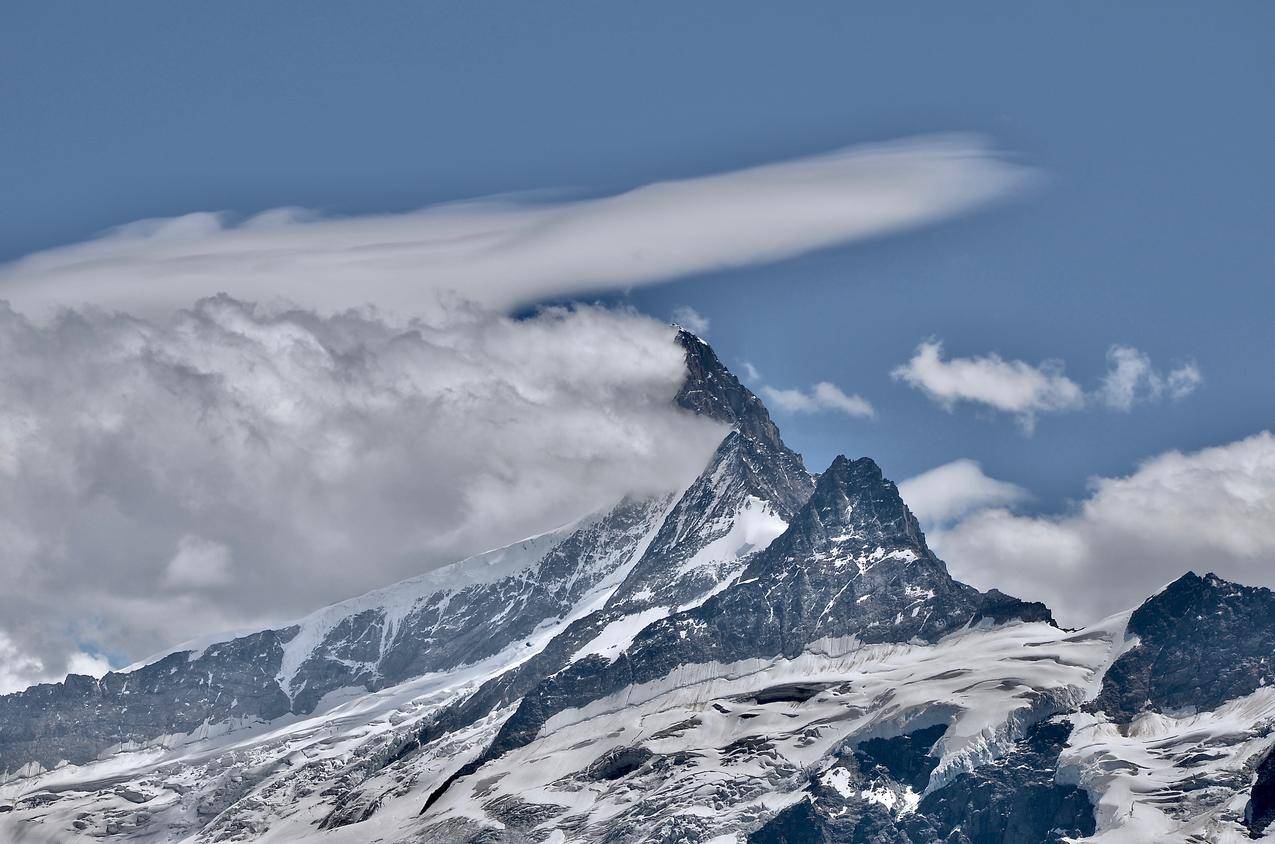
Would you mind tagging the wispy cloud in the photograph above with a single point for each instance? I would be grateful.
(503, 252)
(691, 319)
(822, 396)
(1132, 379)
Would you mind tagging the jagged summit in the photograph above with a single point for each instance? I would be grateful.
(712, 390)
(855, 562)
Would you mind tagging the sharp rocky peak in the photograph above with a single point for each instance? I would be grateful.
(853, 507)
(855, 494)
(712, 390)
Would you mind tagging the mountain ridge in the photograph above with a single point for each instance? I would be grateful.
(764, 655)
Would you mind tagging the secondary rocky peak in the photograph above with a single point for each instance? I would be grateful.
(1202, 640)
(854, 504)
(859, 484)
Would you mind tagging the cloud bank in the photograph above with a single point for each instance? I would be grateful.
(232, 465)
(1209, 510)
(501, 253)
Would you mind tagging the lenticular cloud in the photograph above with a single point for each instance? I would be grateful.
(503, 253)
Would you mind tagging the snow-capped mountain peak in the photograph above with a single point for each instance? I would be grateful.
(762, 656)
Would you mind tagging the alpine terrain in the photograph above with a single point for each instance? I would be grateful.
(764, 656)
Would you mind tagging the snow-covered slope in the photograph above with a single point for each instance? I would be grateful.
(415, 628)
(716, 749)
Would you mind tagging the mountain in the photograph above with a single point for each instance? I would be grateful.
(762, 656)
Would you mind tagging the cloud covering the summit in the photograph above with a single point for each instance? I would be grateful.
(233, 465)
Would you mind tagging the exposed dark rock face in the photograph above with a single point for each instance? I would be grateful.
(619, 763)
(77, 719)
(1260, 811)
(801, 823)
(737, 473)
(1014, 800)
(787, 693)
(835, 809)
(1202, 641)
(906, 758)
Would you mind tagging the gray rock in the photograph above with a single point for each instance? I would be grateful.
(1202, 641)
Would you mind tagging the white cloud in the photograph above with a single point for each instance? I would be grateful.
(691, 319)
(18, 669)
(503, 252)
(792, 401)
(750, 372)
(1210, 510)
(1181, 382)
(830, 396)
(1013, 386)
(955, 489)
(1132, 379)
(1025, 389)
(1130, 370)
(234, 465)
(84, 663)
(822, 396)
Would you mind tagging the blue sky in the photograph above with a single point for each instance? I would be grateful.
(1150, 123)
(1151, 120)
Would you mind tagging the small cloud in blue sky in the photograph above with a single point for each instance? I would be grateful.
(1132, 379)
(822, 396)
(948, 492)
(1011, 386)
(1027, 390)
